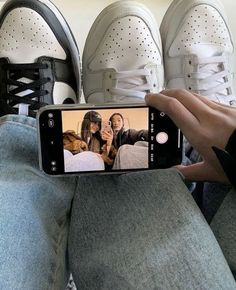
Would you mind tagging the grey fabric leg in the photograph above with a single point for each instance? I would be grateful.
(142, 231)
(224, 228)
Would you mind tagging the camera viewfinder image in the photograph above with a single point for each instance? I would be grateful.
(105, 139)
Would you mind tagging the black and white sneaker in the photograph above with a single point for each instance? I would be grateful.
(39, 58)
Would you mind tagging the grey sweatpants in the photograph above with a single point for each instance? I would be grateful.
(142, 231)
(224, 228)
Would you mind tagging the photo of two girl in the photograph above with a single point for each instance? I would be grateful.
(98, 140)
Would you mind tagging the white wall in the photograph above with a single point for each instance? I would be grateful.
(80, 15)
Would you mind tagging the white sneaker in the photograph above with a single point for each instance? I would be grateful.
(122, 58)
(39, 58)
(198, 49)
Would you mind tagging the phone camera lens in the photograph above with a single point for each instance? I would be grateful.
(53, 163)
(50, 123)
(50, 115)
(54, 168)
(162, 114)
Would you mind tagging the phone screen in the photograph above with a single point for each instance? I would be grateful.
(107, 139)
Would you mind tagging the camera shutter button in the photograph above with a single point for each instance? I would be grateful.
(162, 137)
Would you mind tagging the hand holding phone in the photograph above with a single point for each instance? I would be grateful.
(106, 127)
(106, 132)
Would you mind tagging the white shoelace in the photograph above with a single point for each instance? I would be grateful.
(132, 83)
(212, 79)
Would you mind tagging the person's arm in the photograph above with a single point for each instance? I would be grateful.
(135, 135)
(206, 125)
(227, 158)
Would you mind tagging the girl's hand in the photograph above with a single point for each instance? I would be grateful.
(204, 124)
(107, 136)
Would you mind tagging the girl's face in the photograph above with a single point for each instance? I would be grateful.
(117, 123)
(94, 127)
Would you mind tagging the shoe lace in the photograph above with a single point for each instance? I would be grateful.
(212, 79)
(132, 83)
(24, 87)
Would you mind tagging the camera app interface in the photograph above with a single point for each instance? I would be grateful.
(105, 139)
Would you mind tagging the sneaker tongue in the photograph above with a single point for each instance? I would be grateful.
(99, 98)
(19, 56)
(131, 82)
(209, 69)
(23, 109)
(207, 50)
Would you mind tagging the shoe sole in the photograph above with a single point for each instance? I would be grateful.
(179, 7)
(108, 11)
(73, 48)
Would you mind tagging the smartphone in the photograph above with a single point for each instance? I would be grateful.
(70, 139)
(106, 126)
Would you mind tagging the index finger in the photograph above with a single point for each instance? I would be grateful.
(192, 102)
(180, 115)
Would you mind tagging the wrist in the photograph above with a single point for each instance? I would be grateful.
(227, 158)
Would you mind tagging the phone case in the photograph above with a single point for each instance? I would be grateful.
(160, 139)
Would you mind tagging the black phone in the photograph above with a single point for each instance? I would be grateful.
(74, 140)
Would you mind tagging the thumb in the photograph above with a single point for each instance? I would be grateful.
(200, 172)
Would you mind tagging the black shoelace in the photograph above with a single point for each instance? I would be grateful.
(14, 72)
